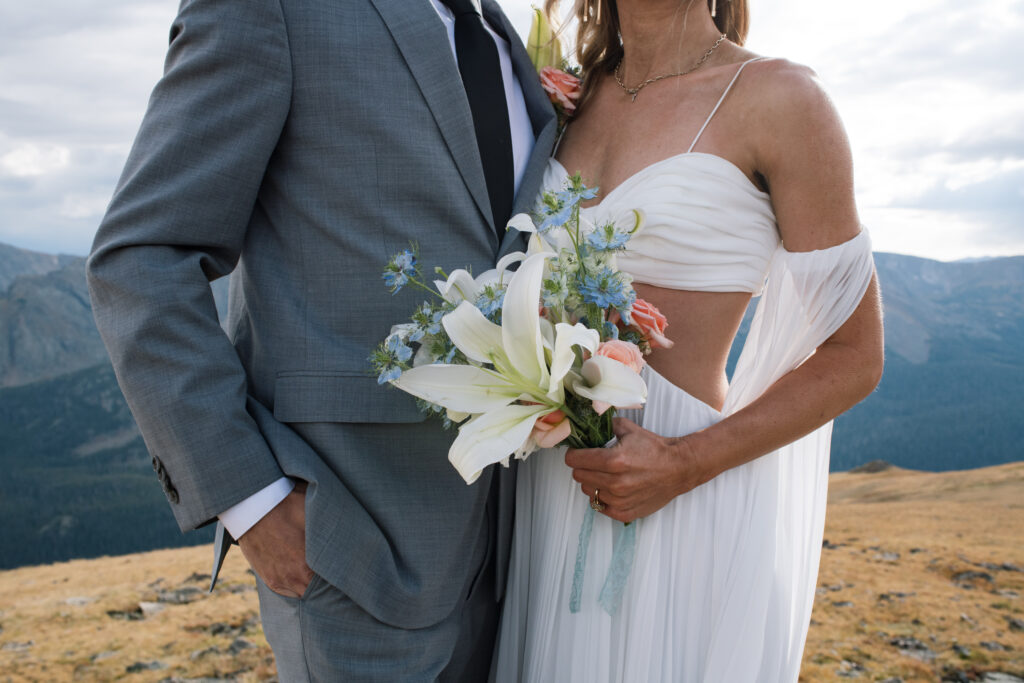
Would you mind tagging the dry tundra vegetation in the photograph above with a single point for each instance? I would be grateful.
(921, 580)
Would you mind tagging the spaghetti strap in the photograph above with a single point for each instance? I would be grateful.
(558, 141)
(720, 100)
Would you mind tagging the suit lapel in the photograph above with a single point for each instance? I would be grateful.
(542, 118)
(423, 42)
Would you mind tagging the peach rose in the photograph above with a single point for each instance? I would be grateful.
(551, 430)
(651, 323)
(625, 352)
(562, 88)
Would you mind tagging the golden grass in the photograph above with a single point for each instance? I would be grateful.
(55, 623)
(82, 642)
(940, 525)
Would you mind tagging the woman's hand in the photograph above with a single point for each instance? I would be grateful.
(640, 474)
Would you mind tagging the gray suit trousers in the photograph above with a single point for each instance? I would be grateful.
(325, 636)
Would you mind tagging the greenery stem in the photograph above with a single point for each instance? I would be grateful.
(426, 288)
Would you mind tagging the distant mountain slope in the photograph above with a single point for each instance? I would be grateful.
(998, 484)
(46, 322)
(77, 480)
(929, 304)
(47, 326)
(15, 262)
(955, 413)
(953, 389)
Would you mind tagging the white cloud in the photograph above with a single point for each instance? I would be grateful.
(76, 75)
(32, 160)
(77, 205)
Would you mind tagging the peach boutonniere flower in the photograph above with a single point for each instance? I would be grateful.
(560, 81)
(562, 87)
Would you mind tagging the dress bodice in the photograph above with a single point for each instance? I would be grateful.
(706, 226)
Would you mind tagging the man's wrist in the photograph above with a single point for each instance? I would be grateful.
(239, 518)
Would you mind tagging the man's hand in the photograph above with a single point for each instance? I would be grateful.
(276, 546)
(639, 475)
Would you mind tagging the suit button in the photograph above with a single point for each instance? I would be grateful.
(172, 494)
(156, 464)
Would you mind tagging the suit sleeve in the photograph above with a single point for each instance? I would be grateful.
(178, 220)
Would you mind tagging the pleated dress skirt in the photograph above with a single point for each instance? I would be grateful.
(676, 616)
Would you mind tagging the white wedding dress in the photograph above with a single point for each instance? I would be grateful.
(723, 578)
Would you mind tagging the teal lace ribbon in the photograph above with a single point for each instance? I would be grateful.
(623, 552)
(582, 546)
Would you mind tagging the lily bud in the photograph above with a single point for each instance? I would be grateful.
(543, 45)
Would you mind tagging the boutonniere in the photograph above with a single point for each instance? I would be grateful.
(560, 80)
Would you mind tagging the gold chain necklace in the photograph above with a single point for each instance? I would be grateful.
(636, 90)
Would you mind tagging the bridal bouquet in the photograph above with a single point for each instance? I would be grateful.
(530, 359)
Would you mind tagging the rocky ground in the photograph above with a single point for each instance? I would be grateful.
(921, 580)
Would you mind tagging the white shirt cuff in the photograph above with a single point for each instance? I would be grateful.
(240, 518)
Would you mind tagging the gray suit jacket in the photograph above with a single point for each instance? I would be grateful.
(299, 144)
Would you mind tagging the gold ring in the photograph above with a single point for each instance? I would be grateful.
(595, 502)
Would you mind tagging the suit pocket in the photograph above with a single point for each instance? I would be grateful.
(341, 397)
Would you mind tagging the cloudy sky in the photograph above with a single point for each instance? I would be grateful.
(932, 93)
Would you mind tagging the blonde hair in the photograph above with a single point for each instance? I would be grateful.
(598, 47)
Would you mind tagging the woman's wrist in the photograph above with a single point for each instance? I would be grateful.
(697, 462)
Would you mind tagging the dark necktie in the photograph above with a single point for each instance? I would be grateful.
(481, 76)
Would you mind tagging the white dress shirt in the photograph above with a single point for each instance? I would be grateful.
(241, 517)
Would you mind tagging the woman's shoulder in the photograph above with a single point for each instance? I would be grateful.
(779, 69)
(788, 94)
(801, 148)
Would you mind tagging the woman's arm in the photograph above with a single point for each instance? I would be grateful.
(807, 164)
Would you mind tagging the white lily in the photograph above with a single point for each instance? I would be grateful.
(555, 239)
(608, 383)
(460, 284)
(531, 362)
(543, 45)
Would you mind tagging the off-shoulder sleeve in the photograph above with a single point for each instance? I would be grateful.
(808, 296)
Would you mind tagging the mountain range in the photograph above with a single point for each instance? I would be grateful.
(78, 482)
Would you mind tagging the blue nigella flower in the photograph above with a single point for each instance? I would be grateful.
(627, 312)
(555, 217)
(391, 357)
(607, 238)
(405, 259)
(554, 291)
(427, 320)
(390, 374)
(611, 331)
(572, 195)
(435, 322)
(450, 355)
(606, 289)
(490, 300)
(400, 270)
(396, 346)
